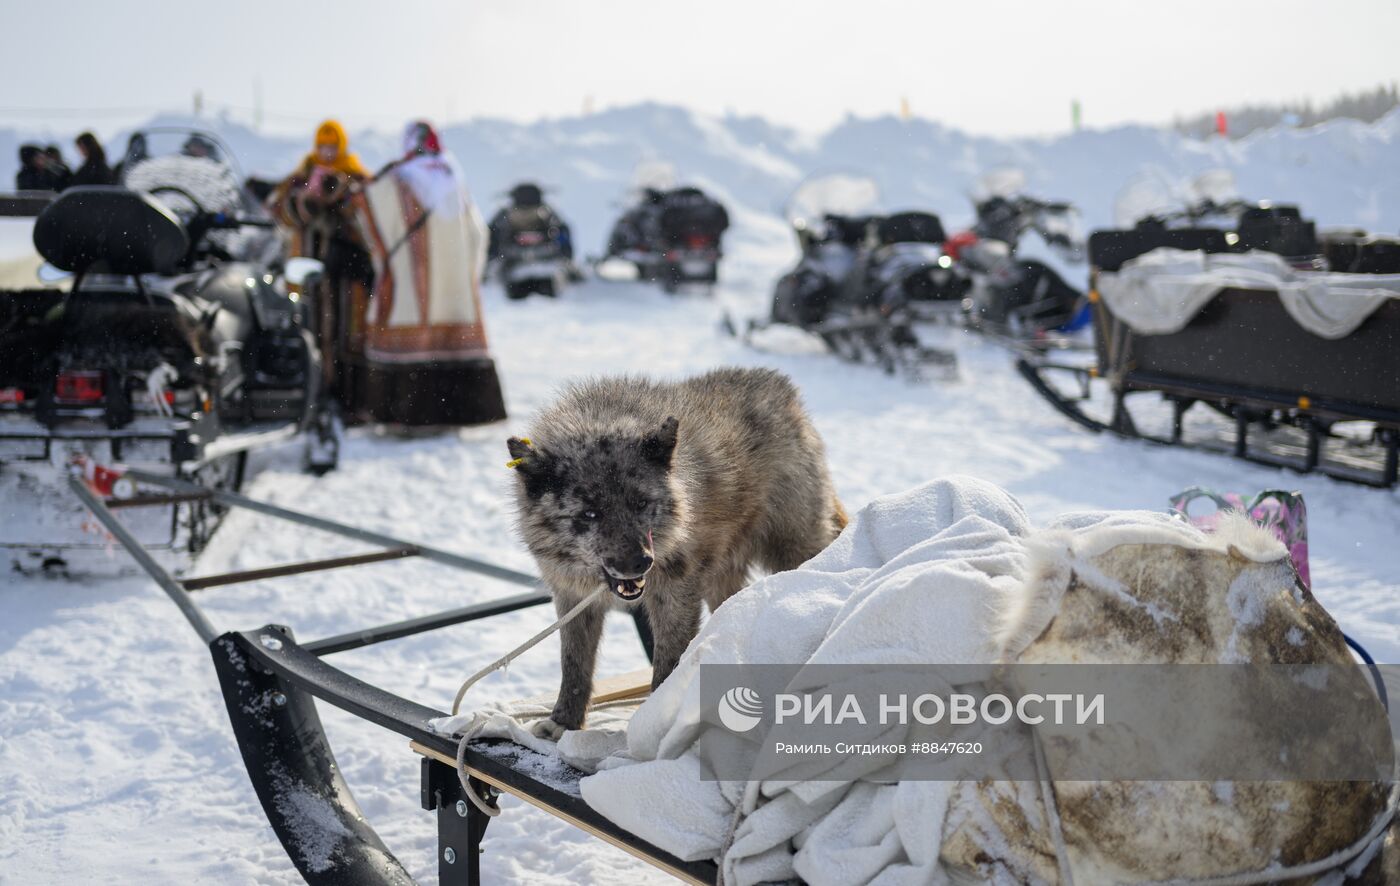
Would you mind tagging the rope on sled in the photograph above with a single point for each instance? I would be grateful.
(496, 666)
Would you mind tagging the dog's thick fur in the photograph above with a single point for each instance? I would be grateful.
(706, 477)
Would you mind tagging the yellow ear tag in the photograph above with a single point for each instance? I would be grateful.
(516, 462)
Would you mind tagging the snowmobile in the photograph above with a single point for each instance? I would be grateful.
(159, 332)
(863, 281)
(531, 247)
(1265, 341)
(1020, 300)
(672, 236)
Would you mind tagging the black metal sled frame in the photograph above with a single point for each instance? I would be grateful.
(863, 341)
(270, 683)
(1248, 409)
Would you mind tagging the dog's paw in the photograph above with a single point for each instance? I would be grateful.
(548, 730)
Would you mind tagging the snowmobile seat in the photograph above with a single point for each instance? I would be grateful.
(910, 227)
(110, 229)
(848, 230)
(526, 195)
(1358, 253)
(1108, 250)
(531, 218)
(1278, 229)
(688, 212)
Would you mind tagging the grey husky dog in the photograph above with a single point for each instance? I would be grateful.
(667, 493)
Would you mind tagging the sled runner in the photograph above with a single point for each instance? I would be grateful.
(271, 683)
(1250, 353)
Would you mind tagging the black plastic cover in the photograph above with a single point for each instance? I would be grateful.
(109, 229)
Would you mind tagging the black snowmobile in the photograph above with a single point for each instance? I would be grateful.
(1281, 362)
(863, 282)
(531, 247)
(672, 236)
(1019, 300)
(161, 333)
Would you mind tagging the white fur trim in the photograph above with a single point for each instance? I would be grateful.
(1055, 554)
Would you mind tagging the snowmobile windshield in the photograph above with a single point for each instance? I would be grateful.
(1149, 195)
(191, 173)
(186, 170)
(1062, 228)
(1154, 196)
(653, 175)
(1006, 182)
(833, 194)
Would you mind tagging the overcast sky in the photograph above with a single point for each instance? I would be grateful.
(1006, 68)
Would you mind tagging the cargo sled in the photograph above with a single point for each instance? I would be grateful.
(1246, 346)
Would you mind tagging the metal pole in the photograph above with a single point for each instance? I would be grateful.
(447, 558)
(133, 547)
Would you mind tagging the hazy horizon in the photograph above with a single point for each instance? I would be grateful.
(1014, 72)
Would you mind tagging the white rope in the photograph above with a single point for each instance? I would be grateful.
(496, 665)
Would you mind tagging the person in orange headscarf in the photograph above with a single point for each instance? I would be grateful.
(313, 203)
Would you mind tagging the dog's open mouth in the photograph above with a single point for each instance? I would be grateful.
(626, 588)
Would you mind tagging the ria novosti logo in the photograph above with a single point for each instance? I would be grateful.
(740, 709)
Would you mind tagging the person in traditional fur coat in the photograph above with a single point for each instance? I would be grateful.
(313, 203)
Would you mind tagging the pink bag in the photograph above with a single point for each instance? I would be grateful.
(1282, 513)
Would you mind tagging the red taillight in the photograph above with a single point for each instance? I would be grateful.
(698, 241)
(11, 395)
(954, 245)
(78, 387)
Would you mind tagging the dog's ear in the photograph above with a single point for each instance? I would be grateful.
(519, 448)
(660, 445)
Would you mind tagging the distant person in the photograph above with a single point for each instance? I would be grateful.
(136, 152)
(56, 167)
(32, 176)
(94, 170)
(199, 146)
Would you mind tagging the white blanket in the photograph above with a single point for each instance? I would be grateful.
(947, 572)
(918, 577)
(1159, 292)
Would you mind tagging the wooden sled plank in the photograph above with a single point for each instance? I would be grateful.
(633, 684)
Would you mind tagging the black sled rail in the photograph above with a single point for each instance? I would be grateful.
(271, 682)
(1252, 417)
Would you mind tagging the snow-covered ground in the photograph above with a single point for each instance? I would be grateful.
(116, 758)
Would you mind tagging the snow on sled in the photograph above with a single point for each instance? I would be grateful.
(1248, 347)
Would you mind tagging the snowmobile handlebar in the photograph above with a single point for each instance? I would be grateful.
(222, 221)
